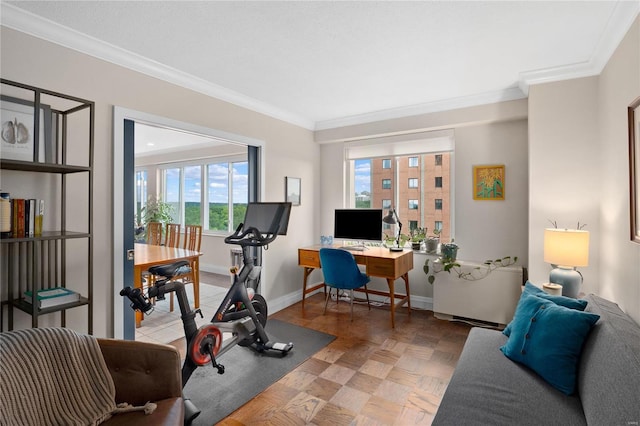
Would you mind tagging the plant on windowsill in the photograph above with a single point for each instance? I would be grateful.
(417, 237)
(431, 244)
(447, 263)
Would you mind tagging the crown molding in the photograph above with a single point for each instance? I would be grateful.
(29, 23)
(509, 94)
(623, 16)
(18, 19)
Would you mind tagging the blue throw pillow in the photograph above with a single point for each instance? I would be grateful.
(565, 301)
(548, 338)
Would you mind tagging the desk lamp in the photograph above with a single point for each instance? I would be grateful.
(392, 218)
(566, 249)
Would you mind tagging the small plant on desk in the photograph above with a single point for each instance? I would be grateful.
(479, 272)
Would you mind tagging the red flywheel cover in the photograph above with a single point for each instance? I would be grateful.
(203, 336)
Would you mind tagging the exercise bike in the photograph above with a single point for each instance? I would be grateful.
(242, 313)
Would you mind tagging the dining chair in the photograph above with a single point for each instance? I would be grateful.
(192, 241)
(172, 235)
(154, 233)
(341, 272)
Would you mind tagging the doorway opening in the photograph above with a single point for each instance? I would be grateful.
(162, 143)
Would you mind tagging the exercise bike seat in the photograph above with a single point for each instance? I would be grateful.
(170, 270)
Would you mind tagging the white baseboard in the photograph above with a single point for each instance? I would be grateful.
(275, 305)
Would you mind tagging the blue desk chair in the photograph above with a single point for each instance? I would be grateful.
(342, 273)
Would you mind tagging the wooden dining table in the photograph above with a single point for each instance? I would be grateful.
(147, 255)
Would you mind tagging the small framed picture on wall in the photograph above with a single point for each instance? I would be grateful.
(292, 189)
(488, 182)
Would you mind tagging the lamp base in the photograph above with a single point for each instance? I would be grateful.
(569, 279)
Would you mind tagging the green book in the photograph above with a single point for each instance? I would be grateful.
(52, 297)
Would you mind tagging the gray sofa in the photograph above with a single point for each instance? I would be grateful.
(487, 388)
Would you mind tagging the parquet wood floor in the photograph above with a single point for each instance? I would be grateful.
(370, 374)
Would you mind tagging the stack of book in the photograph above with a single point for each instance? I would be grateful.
(26, 217)
(50, 297)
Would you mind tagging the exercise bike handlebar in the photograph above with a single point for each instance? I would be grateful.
(250, 237)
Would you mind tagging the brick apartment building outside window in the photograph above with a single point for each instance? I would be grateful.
(410, 183)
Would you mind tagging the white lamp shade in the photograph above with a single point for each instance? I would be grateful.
(566, 247)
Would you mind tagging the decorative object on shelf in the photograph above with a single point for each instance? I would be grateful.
(391, 219)
(292, 190)
(634, 168)
(565, 250)
(552, 289)
(488, 182)
(448, 265)
(17, 117)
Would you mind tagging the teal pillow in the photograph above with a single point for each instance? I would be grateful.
(548, 338)
(567, 302)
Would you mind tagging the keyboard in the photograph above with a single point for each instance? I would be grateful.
(353, 248)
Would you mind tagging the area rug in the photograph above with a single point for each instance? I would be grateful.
(248, 373)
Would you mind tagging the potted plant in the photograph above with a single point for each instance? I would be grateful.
(417, 237)
(156, 210)
(447, 264)
(431, 244)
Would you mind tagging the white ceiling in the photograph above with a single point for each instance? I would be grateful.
(330, 63)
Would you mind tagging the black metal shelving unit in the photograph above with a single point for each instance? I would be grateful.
(62, 127)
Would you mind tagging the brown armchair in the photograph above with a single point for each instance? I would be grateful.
(144, 372)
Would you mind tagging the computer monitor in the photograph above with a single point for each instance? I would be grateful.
(266, 217)
(358, 224)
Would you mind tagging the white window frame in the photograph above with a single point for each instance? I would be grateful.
(203, 163)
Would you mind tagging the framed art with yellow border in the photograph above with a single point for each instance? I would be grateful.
(488, 182)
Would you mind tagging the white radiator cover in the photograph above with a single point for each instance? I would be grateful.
(491, 299)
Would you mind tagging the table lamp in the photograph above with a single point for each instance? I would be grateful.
(566, 249)
(392, 218)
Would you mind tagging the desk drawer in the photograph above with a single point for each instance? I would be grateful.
(378, 267)
(310, 258)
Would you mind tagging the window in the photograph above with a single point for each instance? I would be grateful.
(412, 159)
(386, 163)
(438, 160)
(438, 203)
(438, 181)
(438, 225)
(225, 194)
(141, 193)
(413, 224)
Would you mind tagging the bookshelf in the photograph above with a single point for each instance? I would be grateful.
(47, 153)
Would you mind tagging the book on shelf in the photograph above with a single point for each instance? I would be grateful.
(26, 218)
(50, 297)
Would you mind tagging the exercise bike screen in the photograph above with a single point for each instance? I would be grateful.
(264, 215)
